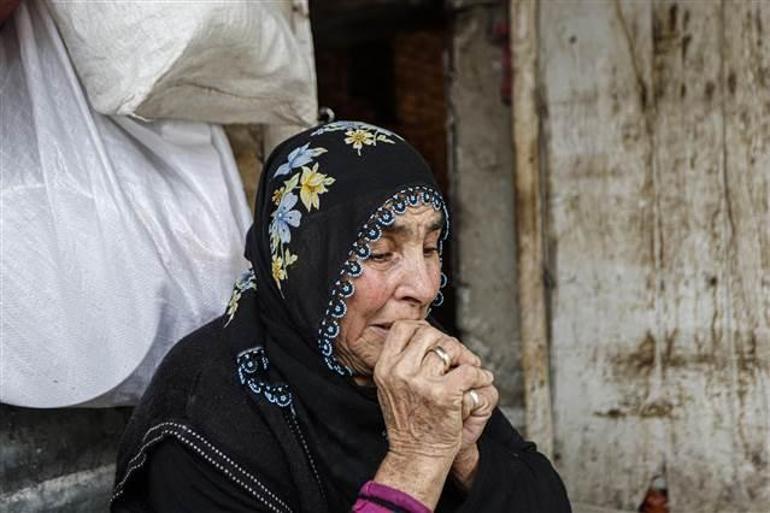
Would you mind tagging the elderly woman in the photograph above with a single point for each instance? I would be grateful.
(325, 387)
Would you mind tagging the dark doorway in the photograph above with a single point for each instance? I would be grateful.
(384, 62)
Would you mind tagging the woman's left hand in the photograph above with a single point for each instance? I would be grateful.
(475, 417)
(475, 420)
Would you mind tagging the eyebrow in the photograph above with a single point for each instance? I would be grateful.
(397, 229)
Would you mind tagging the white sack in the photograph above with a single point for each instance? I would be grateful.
(117, 237)
(234, 61)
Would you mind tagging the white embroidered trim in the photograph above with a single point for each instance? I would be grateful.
(182, 434)
(298, 431)
(371, 231)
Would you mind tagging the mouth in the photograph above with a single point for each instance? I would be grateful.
(383, 327)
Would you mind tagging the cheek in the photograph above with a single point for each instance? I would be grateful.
(371, 294)
(435, 273)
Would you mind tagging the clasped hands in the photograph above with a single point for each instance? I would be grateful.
(436, 400)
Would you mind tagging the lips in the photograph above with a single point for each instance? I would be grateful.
(383, 328)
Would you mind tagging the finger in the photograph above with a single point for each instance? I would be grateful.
(487, 401)
(424, 338)
(456, 352)
(437, 360)
(369, 337)
(465, 377)
(471, 400)
(399, 335)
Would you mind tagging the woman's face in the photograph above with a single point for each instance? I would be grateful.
(400, 281)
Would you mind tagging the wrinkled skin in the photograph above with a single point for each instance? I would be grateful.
(432, 424)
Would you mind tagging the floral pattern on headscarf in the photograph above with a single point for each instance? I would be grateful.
(246, 281)
(359, 135)
(298, 158)
(311, 184)
(334, 188)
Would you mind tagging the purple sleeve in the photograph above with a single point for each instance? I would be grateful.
(378, 498)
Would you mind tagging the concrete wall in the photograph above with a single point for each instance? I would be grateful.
(481, 172)
(58, 460)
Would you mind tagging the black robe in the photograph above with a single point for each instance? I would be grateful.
(198, 443)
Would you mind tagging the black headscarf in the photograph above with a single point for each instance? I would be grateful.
(324, 196)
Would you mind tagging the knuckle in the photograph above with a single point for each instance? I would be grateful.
(379, 374)
(472, 358)
(424, 329)
(402, 323)
(398, 326)
(398, 373)
(450, 344)
(467, 372)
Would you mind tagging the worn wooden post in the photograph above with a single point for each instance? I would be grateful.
(529, 224)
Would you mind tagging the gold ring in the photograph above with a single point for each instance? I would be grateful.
(441, 353)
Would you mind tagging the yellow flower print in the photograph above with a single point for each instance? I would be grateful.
(358, 138)
(232, 305)
(312, 184)
(278, 195)
(279, 273)
(291, 183)
(289, 258)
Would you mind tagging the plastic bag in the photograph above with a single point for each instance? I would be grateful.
(118, 237)
(226, 62)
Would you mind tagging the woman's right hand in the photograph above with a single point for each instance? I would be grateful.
(422, 404)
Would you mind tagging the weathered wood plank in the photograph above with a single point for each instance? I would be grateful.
(530, 255)
(658, 156)
(596, 71)
(744, 421)
(695, 307)
(481, 189)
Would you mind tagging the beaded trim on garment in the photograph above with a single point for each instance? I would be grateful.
(251, 363)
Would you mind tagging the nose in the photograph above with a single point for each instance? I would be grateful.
(419, 279)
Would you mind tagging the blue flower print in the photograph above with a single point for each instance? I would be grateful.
(283, 217)
(247, 280)
(299, 157)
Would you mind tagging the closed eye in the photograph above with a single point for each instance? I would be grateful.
(380, 257)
